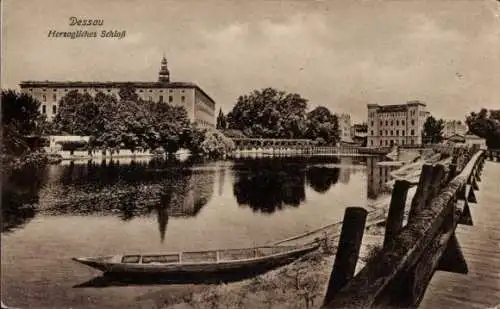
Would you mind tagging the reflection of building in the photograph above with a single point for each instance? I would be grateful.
(345, 128)
(198, 104)
(400, 124)
(345, 170)
(190, 196)
(378, 175)
(454, 127)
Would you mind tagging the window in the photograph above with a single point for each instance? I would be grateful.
(411, 142)
(403, 132)
(44, 109)
(141, 90)
(380, 133)
(397, 122)
(371, 133)
(392, 132)
(412, 122)
(183, 98)
(386, 142)
(44, 98)
(54, 109)
(386, 123)
(397, 132)
(412, 132)
(381, 123)
(54, 97)
(380, 142)
(54, 90)
(386, 132)
(170, 98)
(392, 122)
(371, 142)
(161, 99)
(372, 123)
(150, 90)
(402, 122)
(392, 142)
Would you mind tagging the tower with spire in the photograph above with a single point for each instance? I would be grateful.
(164, 74)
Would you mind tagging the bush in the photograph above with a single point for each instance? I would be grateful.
(216, 144)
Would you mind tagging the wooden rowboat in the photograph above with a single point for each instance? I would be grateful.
(200, 262)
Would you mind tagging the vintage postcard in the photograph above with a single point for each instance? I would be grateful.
(189, 154)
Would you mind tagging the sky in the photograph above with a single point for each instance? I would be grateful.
(338, 54)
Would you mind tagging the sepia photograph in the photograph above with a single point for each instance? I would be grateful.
(231, 154)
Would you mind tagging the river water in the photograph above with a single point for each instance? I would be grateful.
(54, 213)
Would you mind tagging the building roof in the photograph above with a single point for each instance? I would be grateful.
(395, 107)
(111, 84)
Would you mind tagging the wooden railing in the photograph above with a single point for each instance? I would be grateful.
(398, 275)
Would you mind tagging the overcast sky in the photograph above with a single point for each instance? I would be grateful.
(340, 54)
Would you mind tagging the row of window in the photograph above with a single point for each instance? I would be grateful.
(381, 133)
(392, 122)
(108, 90)
(391, 142)
(170, 99)
(44, 109)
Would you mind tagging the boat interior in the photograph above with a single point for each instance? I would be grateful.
(206, 256)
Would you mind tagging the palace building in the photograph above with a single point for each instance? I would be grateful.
(400, 124)
(199, 105)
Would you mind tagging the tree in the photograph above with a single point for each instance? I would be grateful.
(128, 93)
(269, 113)
(486, 125)
(169, 123)
(20, 118)
(221, 121)
(322, 126)
(80, 114)
(433, 130)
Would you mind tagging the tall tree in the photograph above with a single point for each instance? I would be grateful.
(221, 121)
(169, 123)
(433, 130)
(269, 113)
(77, 114)
(322, 126)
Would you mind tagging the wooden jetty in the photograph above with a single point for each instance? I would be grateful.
(437, 237)
(480, 243)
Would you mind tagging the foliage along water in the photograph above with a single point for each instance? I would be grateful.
(53, 213)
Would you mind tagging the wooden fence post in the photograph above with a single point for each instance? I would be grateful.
(422, 190)
(346, 258)
(395, 216)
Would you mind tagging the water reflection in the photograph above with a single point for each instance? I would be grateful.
(20, 196)
(378, 176)
(270, 184)
(129, 190)
(167, 188)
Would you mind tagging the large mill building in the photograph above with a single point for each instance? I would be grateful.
(198, 104)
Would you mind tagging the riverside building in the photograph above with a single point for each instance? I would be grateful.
(199, 105)
(344, 121)
(400, 124)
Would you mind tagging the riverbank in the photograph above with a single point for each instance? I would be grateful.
(11, 162)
